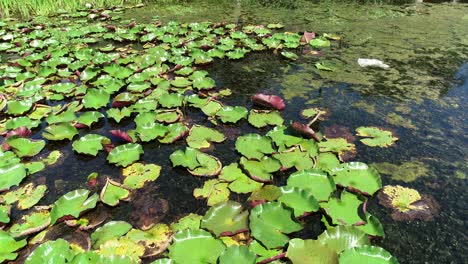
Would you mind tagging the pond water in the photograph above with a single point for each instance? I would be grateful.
(422, 98)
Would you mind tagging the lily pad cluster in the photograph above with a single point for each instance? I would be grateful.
(59, 77)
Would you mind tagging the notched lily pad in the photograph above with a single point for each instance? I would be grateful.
(137, 174)
(254, 146)
(200, 137)
(90, 144)
(72, 204)
(357, 176)
(124, 155)
(26, 196)
(261, 119)
(195, 246)
(31, 223)
(214, 190)
(225, 218)
(113, 192)
(376, 137)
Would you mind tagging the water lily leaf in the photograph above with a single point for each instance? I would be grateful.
(310, 251)
(26, 196)
(123, 99)
(63, 117)
(187, 158)
(265, 194)
(190, 221)
(254, 146)
(208, 166)
(195, 246)
(171, 100)
(150, 131)
(22, 121)
(261, 170)
(214, 190)
(336, 145)
(327, 161)
(113, 192)
(31, 223)
(90, 144)
(155, 240)
(25, 147)
(72, 204)
(118, 114)
(19, 107)
(294, 158)
(163, 261)
(263, 253)
(376, 137)
(340, 238)
(372, 227)
(211, 108)
(270, 101)
(123, 247)
(60, 131)
(343, 211)
(63, 88)
(237, 254)
(8, 246)
(282, 140)
(320, 42)
(204, 83)
(315, 181)
(137, 174)
(89, 73)
(289, 55)
(96, 98)
(200, 137)
(229, 114)
(170, 116)
(91, 257)
(52, 158)
(34, 167)
(138, 87)
(57, 251)
(269, 222)
(126, 154)
(239, 182)
(109, 231)
(89, 118)
(261, 119)
(5, 211)
(175, 132)
(367, 254)
(324, 66)
(236, 53)
(118, 71)
(181, 82)
(300, 200)
(225, 218)
(12, 175)
(357, 176)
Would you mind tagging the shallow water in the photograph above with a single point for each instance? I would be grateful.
(423, 97)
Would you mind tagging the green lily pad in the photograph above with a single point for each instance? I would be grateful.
(190, 221)
(357, 176)
(229, 114)
(171, 100)
(214, 190)
(294, 158)
(123, 247)
(195, 246)
(270, 222)
(372, 227)
(254, 146)
(26, 196)
(72, 204)
(57, 251)
(52, 158)
(19, 107)
(327, 161)
(63, 117)
(320, 42)
(181, 82)
(8, 246)
(155, 240)
(376, 137)
(225, 218)
(60, 131)
(25, 147)
(262, 169)
(126, 154)
(340, 238)
(175, 132)
(90, 144)
(187, 158)
(204, 83)
(118, 114)
(12, 175)
(200, 137)
(30, 223)
(263, 253)
(34, 167)
(343, 211)
(111, 230)
(5, 211)
(150, 131)
(118, 71)
(137, 174)
(266, 193)
(336, 145)
(237, 254)
(211, 108)
(96, 98)
(310, 251)
(113, 192)
(89, 118)
(281, 139)
(400, 198)
(22, 121)
(300, 200)
(239, 182)
(261, 119)
(289, 55)
(367, 254)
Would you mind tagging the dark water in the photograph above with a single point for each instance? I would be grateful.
(423, 98)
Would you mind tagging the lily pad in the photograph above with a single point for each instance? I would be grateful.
(262, 169)
(340, 238)
(344, 211)
(310, 251)
(12, 175)
(336, 145)
(8, 246)
(225, 218)
(26, 196)
(175, 132)
(57, 251)
(239, 182)
(300, 200)
(376, 137)
(261, 119)
(89, 118)
(214, 190)
(190, 221)
(113, 192)
(90, 144)
(229, 114)
(294, 158)
(357, 176)
(270, 222)
(96, 98)
(126, 154)
(195, 246)
(137, 174)
(282, 140)
(111, 230)
(150, 131)
(367, 254)
(315, 181)
(200, 137)
(237, 254)
(25, 147)
(60, 131)
(72, 204)
(254, 146)
(30, 223)
(155, 240)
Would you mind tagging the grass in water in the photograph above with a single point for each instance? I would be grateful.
(27, 8)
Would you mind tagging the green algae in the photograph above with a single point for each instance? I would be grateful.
(407, 171)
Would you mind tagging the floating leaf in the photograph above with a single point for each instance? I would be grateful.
(214, 190)
(175, 132)
(310, 251)
(137, 174)
(26, 196)
(8, 246)
(57, 251)
(171, 100)
(271, 101)
(265, 194)
(89, 118)
(190, 221)
(150, 131)
(239, 182)
(281, 139)
(300, 200)
(340, 238)
(261, 170)
(294, 158)
(123, 247)
(22, 121)
(336, 145)
(200, 137)
(254, 146)
(343, 211)
(229, 114)
(261, 119)
(367, 254)
(25, 147)
(225, 218)
(60, 131)
(376, 137)
(96, 98)
(111, 230)
(270, 222)
(237, 254)
(90, 144)
(320, 42)
(5, 214)
(72, 204)
(126, 154)
(195, 246)
(208, 166)
(155, 240)
(30, 223)
(12, 175)
(357, 176)
(289, 55)
(113, 192)
(118, 114)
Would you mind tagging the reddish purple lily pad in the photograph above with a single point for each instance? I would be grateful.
(270, 101)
